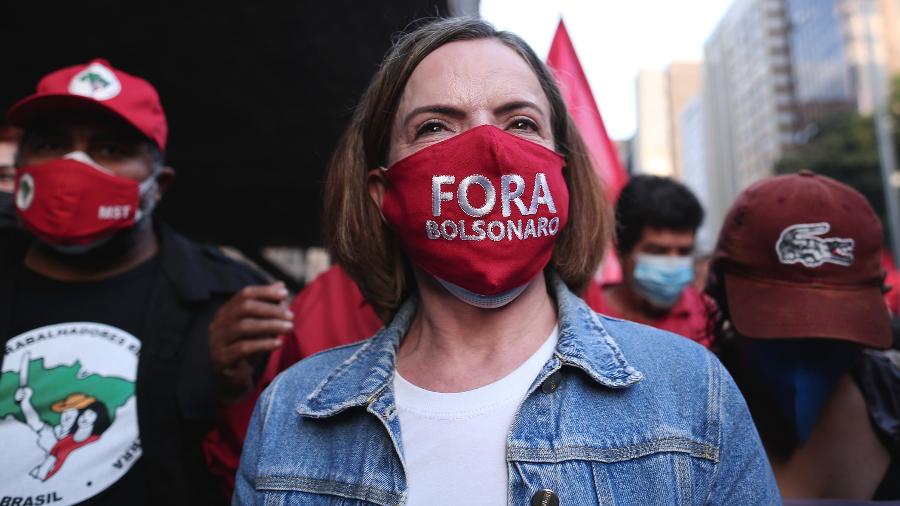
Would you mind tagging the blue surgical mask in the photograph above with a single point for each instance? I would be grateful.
(482, 301)
(800, 376)
(660, 279)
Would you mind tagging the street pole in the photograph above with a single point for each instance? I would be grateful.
(886, 149)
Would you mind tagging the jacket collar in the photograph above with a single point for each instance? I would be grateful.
(359, 380)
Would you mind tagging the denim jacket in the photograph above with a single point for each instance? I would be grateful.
(621, 414)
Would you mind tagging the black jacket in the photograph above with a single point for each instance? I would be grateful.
(174, 379)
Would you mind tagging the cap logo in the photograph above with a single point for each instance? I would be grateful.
(802, 244)
(96, 81)
(25, 192)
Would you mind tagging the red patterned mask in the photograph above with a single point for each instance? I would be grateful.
(480, 211)
(73, 204)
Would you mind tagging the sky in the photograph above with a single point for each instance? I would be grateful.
(614, 39)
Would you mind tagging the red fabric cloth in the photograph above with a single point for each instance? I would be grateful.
(581, 105)
(91, 86)
(329, 312)
(70, 202)
(481, 210)
(687, 318)
(583, 108)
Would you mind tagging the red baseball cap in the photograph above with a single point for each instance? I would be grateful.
(801, 258)
(96, 85)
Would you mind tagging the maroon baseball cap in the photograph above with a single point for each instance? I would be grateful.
(801, 258)
(96, 85)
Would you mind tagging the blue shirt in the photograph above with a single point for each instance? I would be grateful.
(635, 416)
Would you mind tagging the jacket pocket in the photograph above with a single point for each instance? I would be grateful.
(299, 490)
(292, 498)
(669, 478)
(662, 472)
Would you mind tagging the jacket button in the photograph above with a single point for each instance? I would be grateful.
(545, 497)
(552, 383)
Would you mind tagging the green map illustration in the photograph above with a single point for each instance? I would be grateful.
(95, 80)
(55, 384)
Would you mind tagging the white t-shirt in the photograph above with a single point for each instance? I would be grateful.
(454, 444)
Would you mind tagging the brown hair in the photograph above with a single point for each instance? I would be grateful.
(360, 241)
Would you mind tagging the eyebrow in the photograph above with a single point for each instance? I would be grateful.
(445, 110)
(519, 104)
(455, 112)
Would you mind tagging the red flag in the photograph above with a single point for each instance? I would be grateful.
(583, 108)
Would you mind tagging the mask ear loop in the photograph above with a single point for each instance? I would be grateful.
(148, 193)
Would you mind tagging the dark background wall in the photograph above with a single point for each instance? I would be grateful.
(256, 94)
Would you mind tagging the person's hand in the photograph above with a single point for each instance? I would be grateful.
(22, 394)
(246, 327)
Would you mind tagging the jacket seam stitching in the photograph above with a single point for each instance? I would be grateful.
(313, 485)
(715, 418)
(662, 445)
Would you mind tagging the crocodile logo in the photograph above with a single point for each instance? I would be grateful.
(96, 81)
(803, 244)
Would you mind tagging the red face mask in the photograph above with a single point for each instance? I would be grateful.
(480, 211)
(73, 203)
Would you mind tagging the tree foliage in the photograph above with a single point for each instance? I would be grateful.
(844, 147)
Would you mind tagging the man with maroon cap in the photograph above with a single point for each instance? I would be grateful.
(797, 278)
(106, 386)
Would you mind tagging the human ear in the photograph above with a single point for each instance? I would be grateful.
(375, 184)
(164, 179)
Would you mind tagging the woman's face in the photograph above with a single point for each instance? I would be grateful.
(466, 84)
(87, 419)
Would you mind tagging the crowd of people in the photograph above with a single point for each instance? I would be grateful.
(461, 349)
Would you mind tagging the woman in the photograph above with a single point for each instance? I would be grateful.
(462, 202)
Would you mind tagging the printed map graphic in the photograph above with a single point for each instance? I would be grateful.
(52, 385)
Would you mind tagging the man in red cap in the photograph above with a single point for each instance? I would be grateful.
(798, 283)
(100, 302)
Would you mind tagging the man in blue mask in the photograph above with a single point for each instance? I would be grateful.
(798, 282)
(656, 224)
